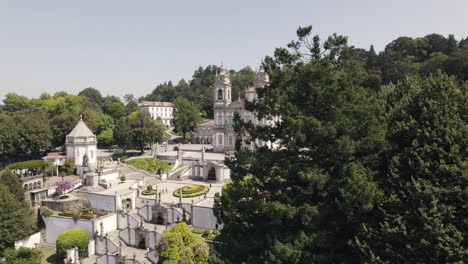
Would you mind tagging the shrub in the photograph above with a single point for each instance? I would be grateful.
(86, 210)
(123, 178)
(122, 156)
(206, 233)
(47, 212)
(149, 188)
(68, 168)
(68, 239)
(22, 255)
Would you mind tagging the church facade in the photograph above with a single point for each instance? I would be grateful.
(222, 135)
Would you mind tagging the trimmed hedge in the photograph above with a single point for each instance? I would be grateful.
(39, 164)
(147, 192)
(192, 191)
(70, 238)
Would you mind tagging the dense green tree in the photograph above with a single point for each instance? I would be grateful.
(93, 94)
(8, 137)
(423, 216)
(114, 107)
(122, 133)
(15, 219)
(186, 116)
(15, 103)
(305, 202)
(61, 125)
(69, 168)
(180, 245)
(131, 103)
(34, 134)
(23, 256)
(13, 183)
(165, 92)
(139, 130)
(106, 138)
(60, 103)
(241, 80)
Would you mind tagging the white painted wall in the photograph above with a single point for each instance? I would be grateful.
(76, 152)
(109, 223)
(101, 201)
(55, 225)
(29, 242)
(110, 176)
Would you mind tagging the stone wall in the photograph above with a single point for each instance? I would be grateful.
(203, 217)
(101, 201)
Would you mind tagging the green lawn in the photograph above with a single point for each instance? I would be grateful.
(49, 256)
(150, 164)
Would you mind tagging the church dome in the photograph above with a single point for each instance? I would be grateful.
(81, 133)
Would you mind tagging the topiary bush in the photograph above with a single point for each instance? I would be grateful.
(123, 178)
(68, 239)
(149, 188)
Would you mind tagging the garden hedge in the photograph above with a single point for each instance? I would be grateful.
(192, 191)
(68, 239)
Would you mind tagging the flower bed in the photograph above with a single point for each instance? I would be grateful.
(191, 191)
(149, 164)
(84, 213)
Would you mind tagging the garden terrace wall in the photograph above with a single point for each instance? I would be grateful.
(59, 205)
(55, 225)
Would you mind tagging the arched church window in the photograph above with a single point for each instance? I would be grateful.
(220, 94)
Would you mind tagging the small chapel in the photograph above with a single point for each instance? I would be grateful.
(81, 147)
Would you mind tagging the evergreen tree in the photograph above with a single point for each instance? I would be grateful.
(304, 202)
(15, 219)
(423, 216)
(13, 183)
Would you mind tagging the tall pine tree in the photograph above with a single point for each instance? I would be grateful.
(304, 202)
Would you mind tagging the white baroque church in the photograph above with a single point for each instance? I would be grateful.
(220, 133)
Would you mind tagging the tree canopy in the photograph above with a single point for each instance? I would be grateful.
(16, 220)
(180, 245)
(186, 116)
(422, 216)
(362, 173)
(138, 129)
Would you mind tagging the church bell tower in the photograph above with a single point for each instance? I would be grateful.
(222, 88)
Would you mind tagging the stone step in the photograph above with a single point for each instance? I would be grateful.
(46, 245)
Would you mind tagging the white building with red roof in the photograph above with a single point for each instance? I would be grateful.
(161, 110)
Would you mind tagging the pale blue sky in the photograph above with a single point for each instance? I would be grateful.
(122, 47)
